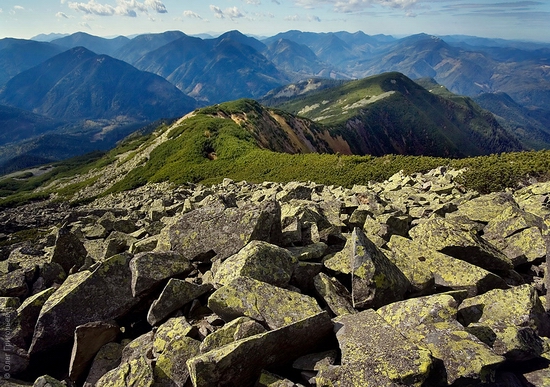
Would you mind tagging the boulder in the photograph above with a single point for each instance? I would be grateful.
(448, 237)
(48, 381)
(310, 252)
(422, 263)
(232, 365)
(430, 322)
(28, 313)
(88, 340)
(175, 295)
(336, 295)
(219, 231)
(107, 289)
(172, 347)
(375, 353)
(69, 251)
(259, 260)
(151, 268)
(487, 207)
(376, 280)
(274, 306)
(14, 284)
(106, 359)
(515, 317)
(234, 330)
(135, 373)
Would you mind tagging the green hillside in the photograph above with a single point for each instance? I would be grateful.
(389, 113)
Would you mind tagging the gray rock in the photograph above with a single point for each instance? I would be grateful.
(175, 294)
(88, 340)
(336, 296)
(106, 359)
(107, 288)
(218, 231)
(234, 330)
(69, 251)
(151, 268)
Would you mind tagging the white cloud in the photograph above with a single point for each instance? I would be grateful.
(347, 6)
(192, 15)
(61, 15)
(123, 7)
(18, 8)
(253, 2)
(231, 13)
(217, 11)
(85, 25)
(156, 5)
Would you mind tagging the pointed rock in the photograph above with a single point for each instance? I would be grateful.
(69, 251)
(376, 281)
(232, 331)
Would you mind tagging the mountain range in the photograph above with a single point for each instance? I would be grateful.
(113, 84)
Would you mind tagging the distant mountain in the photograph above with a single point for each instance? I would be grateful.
(48, 37)
(17, 124)
(389, 113)
(215, 70)
(18, 55)
(531, 125)
(93, 43)
(79, 84)
(133, 50)
(298, 60)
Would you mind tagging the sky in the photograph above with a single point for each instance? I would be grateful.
(518, 20)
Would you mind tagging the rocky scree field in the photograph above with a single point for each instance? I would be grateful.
(415, 281)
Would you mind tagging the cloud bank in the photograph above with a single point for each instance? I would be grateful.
(122, 7)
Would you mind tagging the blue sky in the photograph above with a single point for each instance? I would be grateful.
(521, 20)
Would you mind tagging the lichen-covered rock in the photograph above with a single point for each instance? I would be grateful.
(316, 361)
(48, 381)
(487, 207)
(107, 288)
(14, 284)
(525, 246)
(106, 359)
(259, 260)
(17, 359)
(375, 352)
(172, 347)
(310, 252)
(232, 365)
(515, 315)
(151, 268)
(135, 373)
(448, 272)
(376, 281)
(268, 379)
(261, 301)
(219, 231)
(448, 237)
(334, 293)
(430, 322)
(118, 242)
(234, 330)
(175, 294)
(88, 340)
